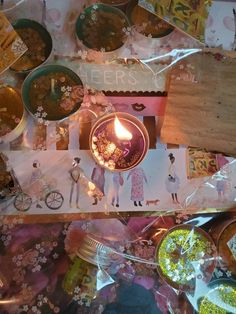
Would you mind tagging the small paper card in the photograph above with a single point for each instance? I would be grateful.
(187, 15)
(232, 245)
(201, 163)
(11, 45)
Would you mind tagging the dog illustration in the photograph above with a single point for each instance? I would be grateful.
(152, 202)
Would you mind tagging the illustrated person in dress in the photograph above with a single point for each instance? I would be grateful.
(118, 181)
(36, 183)
(6, 181)
(172, 181)
(98, 178)
(75, 173)
(137, 191)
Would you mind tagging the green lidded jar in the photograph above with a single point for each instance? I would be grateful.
(80, 274)
(102, 28)
(52, 93)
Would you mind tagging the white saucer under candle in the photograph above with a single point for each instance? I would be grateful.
(119, 141)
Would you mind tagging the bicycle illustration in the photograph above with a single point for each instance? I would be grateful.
(11, 188)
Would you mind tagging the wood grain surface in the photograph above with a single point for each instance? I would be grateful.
(203, 114)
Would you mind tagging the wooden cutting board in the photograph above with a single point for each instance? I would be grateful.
(203, 113)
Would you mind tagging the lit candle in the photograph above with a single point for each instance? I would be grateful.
(121, 131)
(119, 141)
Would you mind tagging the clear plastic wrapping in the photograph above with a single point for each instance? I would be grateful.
(76, 237)
(173, 263)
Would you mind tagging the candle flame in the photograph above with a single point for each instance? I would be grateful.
(121, 132)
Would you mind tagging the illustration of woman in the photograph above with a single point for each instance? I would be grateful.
(118, 181)
(6, 178)
(75, 173)
(172, 181)
(36, 183)
(137, 191)
(98, 178)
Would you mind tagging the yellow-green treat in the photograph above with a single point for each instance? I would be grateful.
(182, 254)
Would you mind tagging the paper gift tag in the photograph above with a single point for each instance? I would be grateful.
(189, 16)
(201, 163)
(11, 45)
